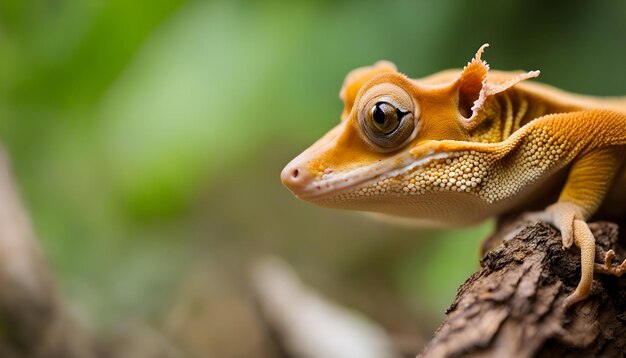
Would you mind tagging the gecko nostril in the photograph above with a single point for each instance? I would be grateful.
(295, 177)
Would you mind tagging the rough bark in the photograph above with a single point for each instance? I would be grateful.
(34, 322)
(513, 306)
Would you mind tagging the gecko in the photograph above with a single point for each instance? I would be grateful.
(461, 146)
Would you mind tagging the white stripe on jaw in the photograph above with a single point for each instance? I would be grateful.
(332, 182)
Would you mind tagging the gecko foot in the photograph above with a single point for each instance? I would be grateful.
(608, 268)
(560, 215)
(567, 218)
(584, 240)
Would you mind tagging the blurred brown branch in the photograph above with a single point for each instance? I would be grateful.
(305, 324)
(34, 322)
(513, 306)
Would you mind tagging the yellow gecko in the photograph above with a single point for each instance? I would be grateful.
(461, 146)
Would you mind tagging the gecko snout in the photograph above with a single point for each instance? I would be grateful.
(296, 178)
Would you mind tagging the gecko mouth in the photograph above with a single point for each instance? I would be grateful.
(306, 186)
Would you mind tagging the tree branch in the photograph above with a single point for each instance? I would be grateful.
(33, 320)
(513, 306)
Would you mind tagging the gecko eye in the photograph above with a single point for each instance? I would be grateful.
(385, 117)
(387, 120)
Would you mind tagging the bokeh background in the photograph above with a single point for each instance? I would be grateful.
(147, 138)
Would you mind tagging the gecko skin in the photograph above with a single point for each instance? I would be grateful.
(461, 146)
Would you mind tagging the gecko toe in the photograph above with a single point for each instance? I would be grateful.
(608, 268)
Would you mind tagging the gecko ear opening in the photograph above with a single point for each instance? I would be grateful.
(471, 85)
(356, 79)
(473, 88)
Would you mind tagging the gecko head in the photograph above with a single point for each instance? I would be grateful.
(382, 127)
(392, 147)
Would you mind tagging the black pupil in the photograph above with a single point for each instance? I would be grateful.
(379, 115)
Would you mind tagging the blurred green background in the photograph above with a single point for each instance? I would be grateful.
(148, 136)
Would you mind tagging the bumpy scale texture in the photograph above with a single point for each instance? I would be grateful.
(491, 176)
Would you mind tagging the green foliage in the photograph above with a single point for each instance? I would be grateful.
(121, 116)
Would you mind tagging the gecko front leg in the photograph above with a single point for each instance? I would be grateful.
(584, 190)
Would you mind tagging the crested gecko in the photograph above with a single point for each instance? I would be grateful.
(461, 146)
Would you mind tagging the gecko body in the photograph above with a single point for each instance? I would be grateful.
(461, 146)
